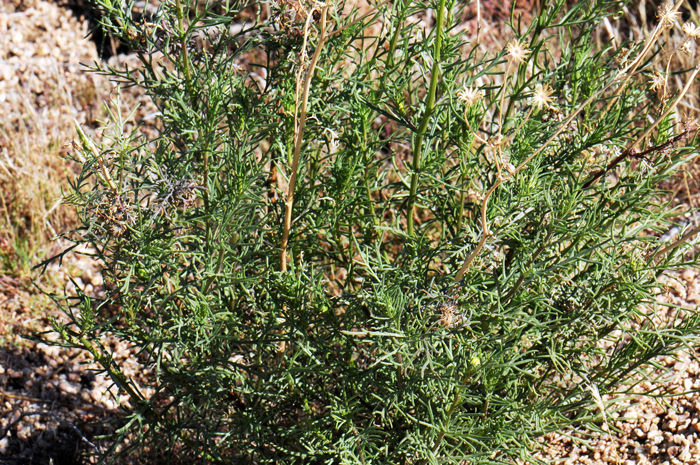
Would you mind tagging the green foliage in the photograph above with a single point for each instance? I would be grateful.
(368, 345)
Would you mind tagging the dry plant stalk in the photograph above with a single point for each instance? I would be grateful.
(299, 125)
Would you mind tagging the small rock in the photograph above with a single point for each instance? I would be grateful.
(68, 387)
(689, 274)
(680, 366)
(673, 451)
(669, 425)
(87, 275)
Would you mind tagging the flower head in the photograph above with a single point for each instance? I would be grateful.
(470, 95)
(517, 51)
(691, 30)
(668, 14)
(658, 81)
(542, 98)
(686, 47)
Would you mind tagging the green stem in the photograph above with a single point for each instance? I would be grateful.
(392, 50)
(429, 108)
(183, 44)
(193, 101)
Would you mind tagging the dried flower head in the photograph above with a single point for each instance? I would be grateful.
(474, 196)
(542, 98)
(115, 214)
(470, 95)
(668, 14)
(691, 30)
(658, 81)
(622, 58)
(509, 167)
(447, 315)
(687, 46)
(450, 314)
(517, 51)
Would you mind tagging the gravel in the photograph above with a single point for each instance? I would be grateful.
(643, 430)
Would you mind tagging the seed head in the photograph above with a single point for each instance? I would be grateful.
(542, 98)
(447, 315)
(470, 95)
(658, 81)
(668, 14)
(691, 30)
(474, 196)
(517, 51)
(509, 167)
(686, 47)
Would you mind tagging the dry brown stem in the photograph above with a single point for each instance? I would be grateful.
(299, 124)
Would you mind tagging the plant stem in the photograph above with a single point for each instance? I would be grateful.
(298, 140)
(104, 171)
(183, 44)
(429, 108)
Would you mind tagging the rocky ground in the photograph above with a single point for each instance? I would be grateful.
(53, 402)
(643, 430)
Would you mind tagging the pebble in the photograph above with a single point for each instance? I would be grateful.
(68, 387)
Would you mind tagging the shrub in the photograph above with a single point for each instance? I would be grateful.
(359, 239)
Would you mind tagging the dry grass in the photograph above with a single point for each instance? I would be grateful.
(42, 89)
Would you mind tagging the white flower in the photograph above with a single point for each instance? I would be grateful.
(542, 98)
(470, 95)
(517, 52)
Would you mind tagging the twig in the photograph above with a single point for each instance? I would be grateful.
(4, 394)
(105, 175)
(478, 21)
(679, 242)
